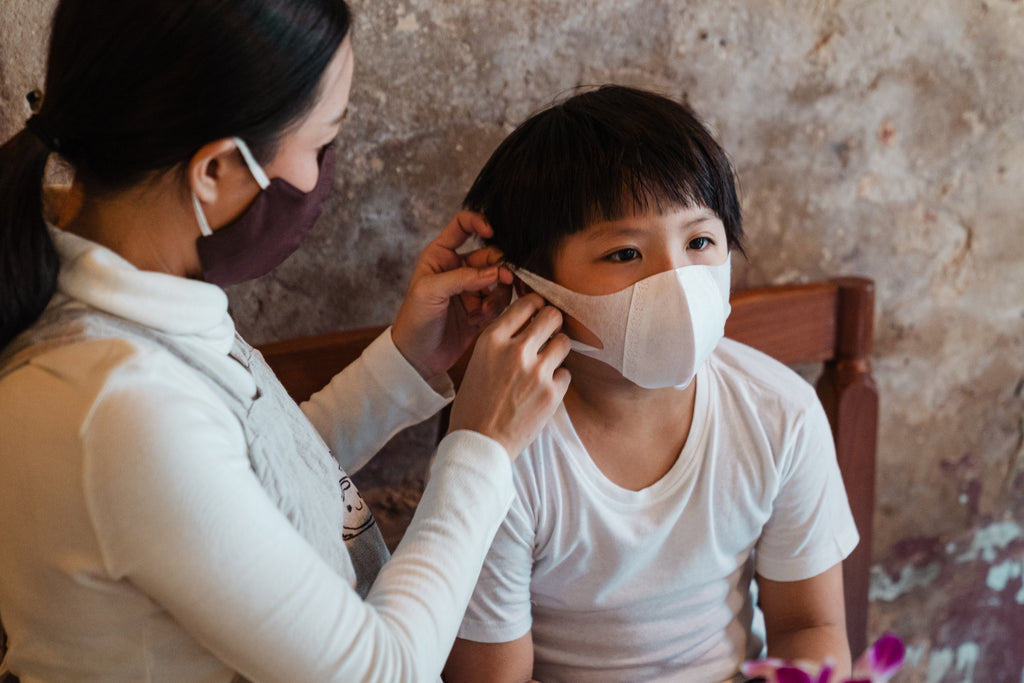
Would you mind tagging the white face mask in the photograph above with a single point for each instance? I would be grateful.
(657, 332)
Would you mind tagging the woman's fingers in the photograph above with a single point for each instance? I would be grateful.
(492, 303)
(519, 314)
(484, 256)
(553, 354)
(451, 296)
(514, 381)
(477, 272)
(464, 225)
(483, 305)
(441, 252)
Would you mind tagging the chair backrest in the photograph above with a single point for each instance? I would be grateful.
(828, 322)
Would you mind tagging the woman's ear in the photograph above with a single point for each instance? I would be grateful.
(212, 170)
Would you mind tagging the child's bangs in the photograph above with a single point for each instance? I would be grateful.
(638, 190)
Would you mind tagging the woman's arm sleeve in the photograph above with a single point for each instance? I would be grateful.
(371, 400)
(179, 515)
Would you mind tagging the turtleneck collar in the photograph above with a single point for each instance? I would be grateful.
(98, 277)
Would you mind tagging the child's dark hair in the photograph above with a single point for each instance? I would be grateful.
(134, 87)
(600, 155)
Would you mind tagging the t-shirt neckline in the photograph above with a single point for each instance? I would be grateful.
(686, 462)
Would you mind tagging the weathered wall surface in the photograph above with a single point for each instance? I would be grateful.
(883, 139)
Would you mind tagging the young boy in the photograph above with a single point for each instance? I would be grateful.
(681, 465)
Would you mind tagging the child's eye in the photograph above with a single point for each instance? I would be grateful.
(700, 243)
(623, 255)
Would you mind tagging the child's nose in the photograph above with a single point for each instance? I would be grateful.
(671, 261)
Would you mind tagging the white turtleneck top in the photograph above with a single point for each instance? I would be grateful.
(137, 544)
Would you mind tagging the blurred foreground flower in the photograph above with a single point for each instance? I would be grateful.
(877, 665)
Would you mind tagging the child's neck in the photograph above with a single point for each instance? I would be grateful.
(633, 435)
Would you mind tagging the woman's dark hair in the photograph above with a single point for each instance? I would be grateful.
(600, 155)
(137, 86)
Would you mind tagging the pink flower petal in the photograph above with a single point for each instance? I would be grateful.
(762, 667)
(887, 655)
(790, 674)
(877, 665)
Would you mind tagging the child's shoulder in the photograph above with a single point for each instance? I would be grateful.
(743, 368)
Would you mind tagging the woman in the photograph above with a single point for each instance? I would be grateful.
(168, 513)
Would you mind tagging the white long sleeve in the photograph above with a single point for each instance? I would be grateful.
(371, 400)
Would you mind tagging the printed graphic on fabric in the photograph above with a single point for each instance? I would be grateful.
(358, 517)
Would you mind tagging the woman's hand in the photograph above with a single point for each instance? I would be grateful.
(450, 298)
(514, 380)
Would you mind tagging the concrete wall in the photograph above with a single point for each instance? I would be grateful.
(883, 139)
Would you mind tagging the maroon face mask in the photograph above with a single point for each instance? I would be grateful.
(268, 231)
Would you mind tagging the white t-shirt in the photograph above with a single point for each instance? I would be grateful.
(654, 585)
(137, 544)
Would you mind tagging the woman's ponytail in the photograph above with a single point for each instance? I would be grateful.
(28, 260)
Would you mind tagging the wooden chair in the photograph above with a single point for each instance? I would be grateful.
(830, 323)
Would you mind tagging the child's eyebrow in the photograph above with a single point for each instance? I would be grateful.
(604, 233)
(597, 232)
(702, 219)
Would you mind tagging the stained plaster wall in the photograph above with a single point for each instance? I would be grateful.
(883, 139)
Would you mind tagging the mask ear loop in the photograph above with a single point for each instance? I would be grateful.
(516, 280)
(257, 173)
(204, 225)
(254, 167)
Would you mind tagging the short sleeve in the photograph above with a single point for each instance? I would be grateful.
(811, 527)
(499, 610)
